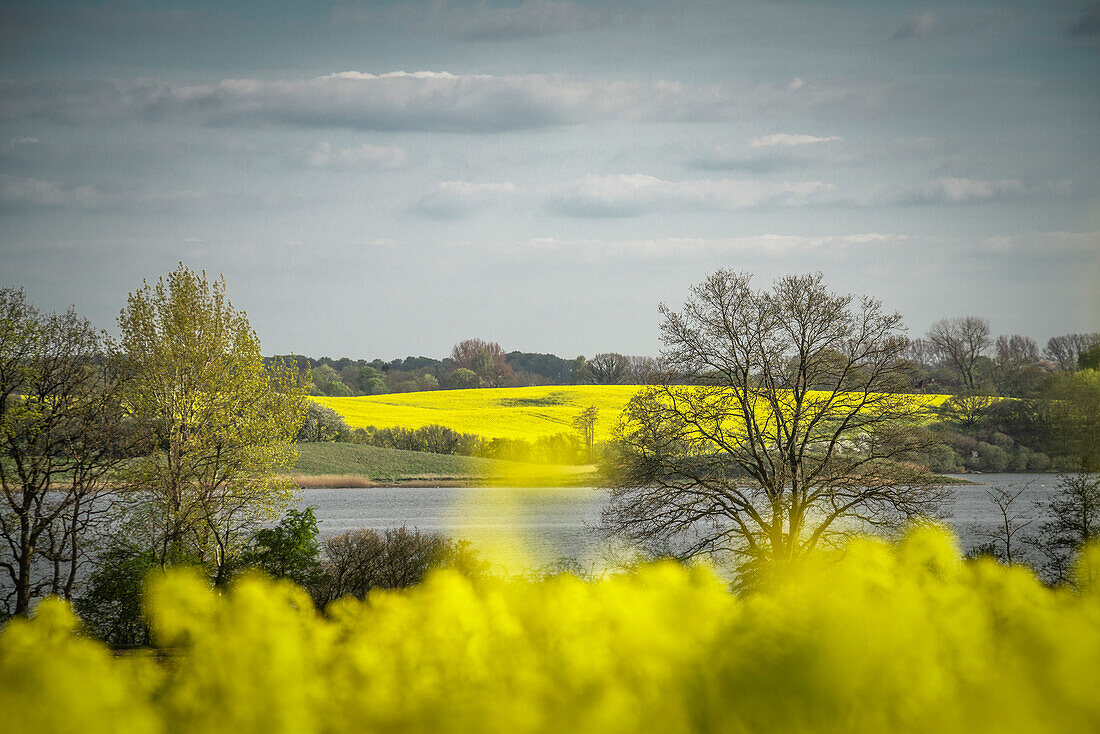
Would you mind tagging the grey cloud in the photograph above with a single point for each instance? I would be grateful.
(1088, 24)
(765, 245)
(477, 21)
(932, 24)
(922, 25)
(631, 195)
(433, 101)
(531, 19)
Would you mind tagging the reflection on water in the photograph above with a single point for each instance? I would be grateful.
(560, 522)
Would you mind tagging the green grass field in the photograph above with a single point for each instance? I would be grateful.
(347, 464)
(388, 464)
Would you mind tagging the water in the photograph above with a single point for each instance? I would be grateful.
(560, 522)
(549, 524)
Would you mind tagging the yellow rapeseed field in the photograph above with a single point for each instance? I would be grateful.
(511, 412)
(885, 638)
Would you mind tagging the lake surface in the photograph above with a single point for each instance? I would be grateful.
(550, 524)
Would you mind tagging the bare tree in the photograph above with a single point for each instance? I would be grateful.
(793, 436)
(643, 370)
(965, 409)
(485, 359)
(585, 423)
(609, 368)
(959, 343)
(1075, 520)
(1018, 371)
(922, 352)
(1016, 348)
(357, 561)
(60, 425)
(1065, 350)
(1004, 539)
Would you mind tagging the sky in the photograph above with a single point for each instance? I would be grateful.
(382, 179)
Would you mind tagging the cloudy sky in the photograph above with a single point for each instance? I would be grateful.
(387, 178)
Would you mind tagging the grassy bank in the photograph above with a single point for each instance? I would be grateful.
(354, 465)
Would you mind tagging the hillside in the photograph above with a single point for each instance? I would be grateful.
(511, 412)
(516, 412)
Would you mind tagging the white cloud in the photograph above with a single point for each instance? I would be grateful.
(787, 140)
(365, 156)
(965, 190)
(1045, 243)
(461, 199)
(628, 195)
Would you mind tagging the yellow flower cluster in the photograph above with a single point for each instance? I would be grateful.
(877, 638)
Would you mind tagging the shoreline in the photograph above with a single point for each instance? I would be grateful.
(359, 481)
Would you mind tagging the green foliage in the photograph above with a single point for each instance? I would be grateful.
(1090, 359)
(289, 550)
(322, 424)
(560, 448)
(111, 606)
(879, 638)
(464, 379)
(327, 382)
(223, 420)
(382, 464)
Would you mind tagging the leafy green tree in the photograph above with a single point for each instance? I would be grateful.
(1071, 410)
(1090, 359)
(289, 550)
(326, 381)
(322, 424)
(464, 378)
(223, 422)
(111, 606)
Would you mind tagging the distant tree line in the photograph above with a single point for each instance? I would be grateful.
(1051, 419)
(472, 363)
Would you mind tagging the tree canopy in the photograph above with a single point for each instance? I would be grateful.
(792, 436)
(223, 422)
